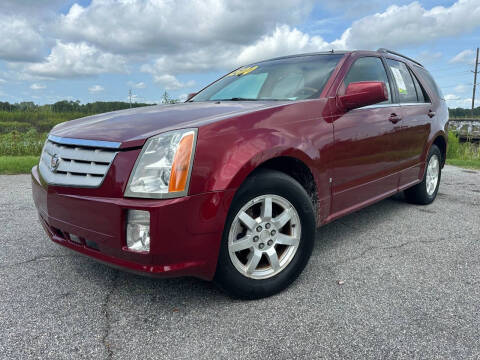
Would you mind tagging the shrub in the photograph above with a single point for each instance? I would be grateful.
(463, 151)
(9, 126)
(17, 143)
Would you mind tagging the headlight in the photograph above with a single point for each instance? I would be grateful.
(163, 168)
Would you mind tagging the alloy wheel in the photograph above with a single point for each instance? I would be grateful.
(264, 236)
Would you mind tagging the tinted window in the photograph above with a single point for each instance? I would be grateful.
(426, 77)
(404, 81)
(421, 95)
(368, 69)
(294, 78)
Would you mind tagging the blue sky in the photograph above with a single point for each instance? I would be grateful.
(96, 50)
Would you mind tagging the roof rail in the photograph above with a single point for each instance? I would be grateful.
(398, 54)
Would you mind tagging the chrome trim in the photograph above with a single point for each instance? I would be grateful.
(378, 106)
(374, 106)
(172, 195)
(84, 142)
(77, 166)
(413, 104)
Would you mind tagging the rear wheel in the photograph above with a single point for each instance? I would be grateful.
(268, 237)
(425, 192)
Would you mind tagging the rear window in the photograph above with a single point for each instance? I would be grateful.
(421, 93)
(428, 79)
(404, 81)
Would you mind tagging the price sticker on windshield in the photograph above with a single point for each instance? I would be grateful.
(243, 71)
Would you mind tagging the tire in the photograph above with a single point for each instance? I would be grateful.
(238, 272)
(425, 192)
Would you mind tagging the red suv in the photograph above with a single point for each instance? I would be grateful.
(231, 184)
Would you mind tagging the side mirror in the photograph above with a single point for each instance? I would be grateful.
(363, 93)
(191, 95)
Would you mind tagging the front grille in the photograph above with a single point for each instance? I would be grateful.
(73, 165)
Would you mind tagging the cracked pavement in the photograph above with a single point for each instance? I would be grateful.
(410, 288)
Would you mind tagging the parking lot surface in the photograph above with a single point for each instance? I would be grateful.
(393, 280)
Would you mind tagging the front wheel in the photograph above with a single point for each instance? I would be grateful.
(268, 236)
(425, 192)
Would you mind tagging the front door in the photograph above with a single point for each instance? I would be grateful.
(364, 165)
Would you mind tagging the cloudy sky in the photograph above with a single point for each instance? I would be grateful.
(99, 49)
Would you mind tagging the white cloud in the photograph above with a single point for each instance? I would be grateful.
(168, 81)
(411, 24)
(465, 56)
(26, 6)
(19, 40)
(450, 97)
(77, 59)
(138, 85)
(96, 89)
(459, 102)
(168, 26)
(37, 87)
(395, 27)
(462, 88)
(2, 81)
(175, 37)
(283, 41)
(427, 57)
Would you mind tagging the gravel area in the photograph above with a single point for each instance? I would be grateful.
(393, 280)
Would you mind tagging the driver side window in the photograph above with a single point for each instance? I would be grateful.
(368, 69)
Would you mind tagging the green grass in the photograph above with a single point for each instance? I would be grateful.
(22, 144)
(17, 164)
(469, 164)
(466, 155)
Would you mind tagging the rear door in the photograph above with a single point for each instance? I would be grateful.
(364, 165)
(411, 133)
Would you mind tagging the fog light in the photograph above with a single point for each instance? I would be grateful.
(138, 230)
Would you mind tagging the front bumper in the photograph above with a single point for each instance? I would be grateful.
(185, 232)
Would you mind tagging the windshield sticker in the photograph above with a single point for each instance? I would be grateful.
(243, 71)
(402, 89)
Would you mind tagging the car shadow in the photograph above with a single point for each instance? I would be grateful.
(176, 291)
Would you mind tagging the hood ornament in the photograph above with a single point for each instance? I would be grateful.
(54, 163)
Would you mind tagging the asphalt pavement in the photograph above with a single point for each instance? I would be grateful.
(393, 280)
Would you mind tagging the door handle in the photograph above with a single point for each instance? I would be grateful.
(431, 113)
(394, 118)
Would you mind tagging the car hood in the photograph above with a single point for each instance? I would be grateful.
(133, 126)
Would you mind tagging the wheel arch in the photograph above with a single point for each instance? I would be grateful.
(293, 163)
(441, 142)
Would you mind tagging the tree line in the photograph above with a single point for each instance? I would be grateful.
(464, 113)
(66, 106)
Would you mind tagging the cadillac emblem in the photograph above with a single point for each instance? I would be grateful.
(54, 163)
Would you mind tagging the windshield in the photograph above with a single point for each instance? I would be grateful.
(294, 78)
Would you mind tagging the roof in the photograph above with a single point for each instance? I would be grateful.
(343, 52)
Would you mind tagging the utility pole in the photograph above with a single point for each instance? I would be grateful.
(474, 82)
(130, 96)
